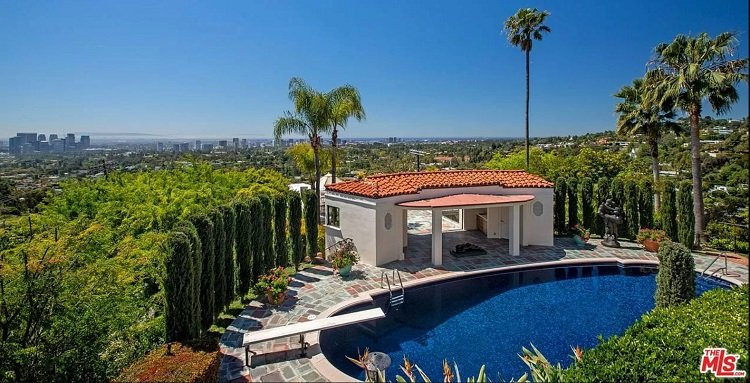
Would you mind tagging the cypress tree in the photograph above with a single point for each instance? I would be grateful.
(194, 275)
(311, 223)
(561, 189)
(616, 192)
(646, 205)
(685, 216)
(295, 229)
(205, 228)
(668, 213)
(177, 288)
(280, 248)
(244, 251)
(266, 233)
(602, 194)
(220, 252)
(572, 202)
(630, 209)
(587, 202)
(230, 227)
(257, 219)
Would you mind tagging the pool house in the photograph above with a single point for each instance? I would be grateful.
(511, 205)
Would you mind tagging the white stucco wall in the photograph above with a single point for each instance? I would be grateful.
(363, 220)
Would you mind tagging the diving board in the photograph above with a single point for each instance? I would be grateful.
(303, 328)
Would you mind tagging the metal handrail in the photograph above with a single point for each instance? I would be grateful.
(345, 240)
(710, 264)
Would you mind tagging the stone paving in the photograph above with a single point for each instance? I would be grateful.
(316, 289)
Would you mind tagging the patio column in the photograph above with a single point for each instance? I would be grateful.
(437, 237)
(406, 226)
(514, 230)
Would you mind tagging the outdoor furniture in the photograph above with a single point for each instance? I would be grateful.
(467, 250)
(303, 328)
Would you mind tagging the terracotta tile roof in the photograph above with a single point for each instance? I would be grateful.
(467, 200)
(389, 185)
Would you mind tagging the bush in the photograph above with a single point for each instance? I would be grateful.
(587, 202)
(572, 202)
(630, 209)
(668, 213)
(280, 248)
(178, 289)
(244, 251)
(646, 204)
(191, 362)
(220, 253)
(616, 191)
(295, 229)
(685, 215)
(561, 190)
(311, 223)
(675, 282)
(196, 252)
(255, 212)
(667, 344)
(205, 228)
(230, 225)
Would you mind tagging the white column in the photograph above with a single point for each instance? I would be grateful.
(525, 216)
(514, 230)
(405, 218)
(437, 237)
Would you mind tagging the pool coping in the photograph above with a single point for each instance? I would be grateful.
(320, 363)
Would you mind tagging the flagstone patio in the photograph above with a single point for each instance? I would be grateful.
(317, 289)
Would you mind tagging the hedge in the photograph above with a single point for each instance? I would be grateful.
(630, 209)
(668, 213)
(685, 215)
(178, 290)
(244, 251)
(572, 202)
(587, 203)
(675, 283)
(667, 344)
(220, 253)
(561, 192)
(269, 258)
(205, 228)
(295, 229)
(256, 241)
(230, 226)
(311, 223)
(197, 257)
(280, 248)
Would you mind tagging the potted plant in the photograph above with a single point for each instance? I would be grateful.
(344, 258)
(274, 285)
(581, 234)
(650, 238)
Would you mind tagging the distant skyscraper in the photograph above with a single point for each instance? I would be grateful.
(223, 143)
(244, 143)
(14, 145)
(185, 147)
(70, 141)
(159, 146)
(85, 142)
(236, 143)
(207, 147)
(197, 145)
(52, 137)
(57, 145)
(41, 137)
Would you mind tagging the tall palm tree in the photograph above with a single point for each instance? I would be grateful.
(686, 72)
(310, 118)
(344, 102)
(636, 116)
(523, 28)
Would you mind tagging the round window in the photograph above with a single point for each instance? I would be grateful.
(388, 221)
(538, 208)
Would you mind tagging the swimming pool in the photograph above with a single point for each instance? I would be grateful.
(487, 319)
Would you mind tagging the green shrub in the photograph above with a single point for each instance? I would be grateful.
(561, 190)
(230, 226)
(587, 203)
(630, 209)
(205, 228)
(675, 283)
(244, 250)
(265, 247)
(177, 288)
(220, 252)
(572, 202)
(685, 215)
(668, 213)
(646, 204)
(280, 248)
(295, 229)
(195, 275)
(191, 362)
(667, 343)
(602, 193)
(311, 223)
(617, 192)
(256, 241)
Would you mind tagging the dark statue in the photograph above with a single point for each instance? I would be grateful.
(612, 217)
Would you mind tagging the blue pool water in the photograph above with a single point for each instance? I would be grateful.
(487, 319)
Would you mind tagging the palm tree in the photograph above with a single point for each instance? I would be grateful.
(686, 72)
(310, 118)
(523, 28)
(636, 116)
(344, 102)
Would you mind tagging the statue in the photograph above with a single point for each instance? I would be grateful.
(612, 217)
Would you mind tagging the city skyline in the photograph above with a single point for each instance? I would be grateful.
(424, 70)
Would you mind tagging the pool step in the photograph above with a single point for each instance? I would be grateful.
(397, 299)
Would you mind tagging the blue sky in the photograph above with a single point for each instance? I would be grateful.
(424, 68)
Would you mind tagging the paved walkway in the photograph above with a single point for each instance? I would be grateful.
(315, 290)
